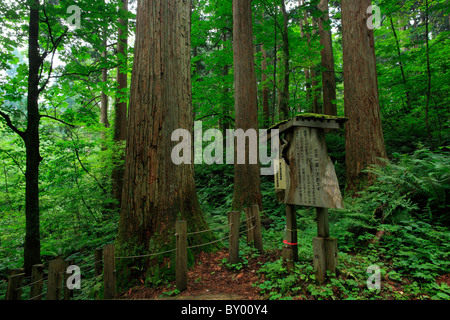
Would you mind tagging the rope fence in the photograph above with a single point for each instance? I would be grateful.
(104, 259)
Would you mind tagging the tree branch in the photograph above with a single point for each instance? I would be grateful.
(56, 119)
(11, 126)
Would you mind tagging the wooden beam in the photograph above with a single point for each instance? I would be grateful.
(319, 259)
(291, 226)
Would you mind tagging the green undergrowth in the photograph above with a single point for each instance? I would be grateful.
(407, 206)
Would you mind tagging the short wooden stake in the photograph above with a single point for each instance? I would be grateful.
(14, 291)
(109, 272)
(291, 226)
(233, 221)
(37, 272)
(319, 259)
(322, 223)
(250, 225)
(98, 261)
(331, 251)
(257, 232)
(55, 276)
(181, 255)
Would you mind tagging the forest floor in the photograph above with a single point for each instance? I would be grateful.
(211, 279)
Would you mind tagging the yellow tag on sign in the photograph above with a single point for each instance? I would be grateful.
(280, 174)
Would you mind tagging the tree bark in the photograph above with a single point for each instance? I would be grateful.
(157, 192)
(104, 97)
(224, 121)
(304, 22)
(265, 89)
(120, 108)
(363, 132)
(246, 176)
(316, 90)
(327, 60)
(284, 105)
(32, 246)
(427, 105)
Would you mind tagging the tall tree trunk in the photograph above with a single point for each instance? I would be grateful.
(120, 108)
(363, 131)
(104, 97)
(224, 121)
(157, 192)
(303, 23)
(246, 176)
(427, 105)
(265, 89)
(328, 76)
(275, 64)
(32, 246)
(284, 105)
(316, 90)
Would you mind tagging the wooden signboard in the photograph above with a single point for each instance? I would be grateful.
(308, 178)
(305, 176)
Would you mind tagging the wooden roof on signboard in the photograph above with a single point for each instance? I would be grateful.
(311, 120)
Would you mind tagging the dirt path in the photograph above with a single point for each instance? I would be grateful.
(210, 280)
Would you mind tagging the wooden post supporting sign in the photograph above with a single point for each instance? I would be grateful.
(291, 230)
(306, 177)
(324, 247)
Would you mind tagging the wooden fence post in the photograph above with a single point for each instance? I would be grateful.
(291, 226)
(331, 252)
(250, 224)
(233, 221)
(98, 261)
(322, 223)
(181, 255)
(257, 230)
(109, 272)
(14, 292)
(37, 281)
(55, 276)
